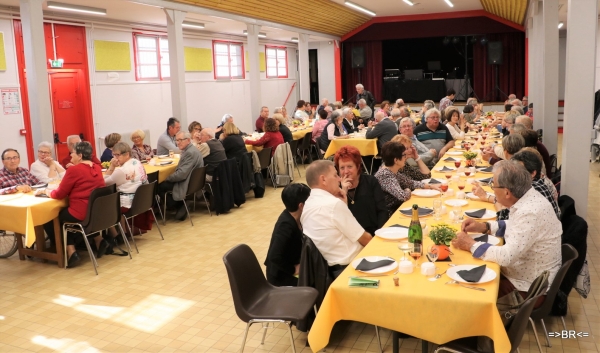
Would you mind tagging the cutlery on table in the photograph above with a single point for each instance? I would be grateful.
(462, 285)
(436, 277)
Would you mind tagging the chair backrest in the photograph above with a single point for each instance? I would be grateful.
(152, 177)
(306, 141)
(319, 154)
(106, 212)
(264, 156)
(103, 191)
(294, 146)
(519, 323)
(197, 180)
(553, 163)
(246, 279)
(142, 200)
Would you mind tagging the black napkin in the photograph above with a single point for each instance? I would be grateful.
(446, 169)
(448, 259)
(488, 169)
(476, 214)
(450, 159)
(165, 163)
(486, 181)
(422, 211)
(399, 226)
(473, 275)
(483, 238)
(365, 265)
(434, 181)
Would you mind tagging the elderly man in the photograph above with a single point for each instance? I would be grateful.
(362, 93)
(46, 169)
(428, 104)
(365, 111)
(166, 141)
(508, 121)
(212, 151)
(433, 134)
(399, 102)
(12, 177)
(447, 101)
(427, 155)
(532, 235)
(179, 180)
(71, 142)
(327, 221)
(260, 122)
(518, 109)
(384, 131)
(528, 123)
(324, 103)
(396, 116)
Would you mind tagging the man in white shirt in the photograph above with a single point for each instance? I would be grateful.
(327, 221)
(532, 235)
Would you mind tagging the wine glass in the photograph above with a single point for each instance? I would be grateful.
(406, 248)
(416, 253)
(437, 209)
(457, 163)
(461, 183)
(458, 216)
(432, 253)
(444, 187)
(448, 174)
(467, 172)
(467, 147)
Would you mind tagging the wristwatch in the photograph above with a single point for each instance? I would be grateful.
(488, 230)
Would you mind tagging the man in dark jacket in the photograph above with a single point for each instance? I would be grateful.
(362, 93)
(384, 131)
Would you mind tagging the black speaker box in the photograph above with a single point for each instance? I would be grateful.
(358, 57)
(494, 52)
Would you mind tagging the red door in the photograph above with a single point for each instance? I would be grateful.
(66, 109)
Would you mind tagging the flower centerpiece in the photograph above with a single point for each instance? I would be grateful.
(470, 156)
(441, 235)
(105, 165)
(296, 123)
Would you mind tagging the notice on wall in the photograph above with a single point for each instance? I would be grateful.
(11, 101)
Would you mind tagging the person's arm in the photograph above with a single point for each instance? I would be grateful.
(204, 149)
(407, 183)
(348, 225)
(331, 132)
(365, 238)
(167, 144)
(448, 146)
(117, 177)
(260, 124)
(374, 132)
(65, 187)
(389, 183)
(260, 142)
(184, 168)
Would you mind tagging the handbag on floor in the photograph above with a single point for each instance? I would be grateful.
(509, 304)
(582, 285)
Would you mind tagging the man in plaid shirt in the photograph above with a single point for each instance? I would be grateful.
(12, 177)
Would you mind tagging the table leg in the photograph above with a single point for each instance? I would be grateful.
(20, 246)
(59, 243)
(40, 240)
(425, 346)
(395, 343)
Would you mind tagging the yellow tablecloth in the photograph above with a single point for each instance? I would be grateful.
(428, 310)
(22, 212)
(163, 171)
(367, 147)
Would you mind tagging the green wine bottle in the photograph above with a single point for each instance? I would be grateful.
(415, 233)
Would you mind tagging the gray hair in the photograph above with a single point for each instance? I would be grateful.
(517, 102)
(209, 132)
(513, 143)
(511, 116)
(409, 120)
(71, 145)
(525, 120)
(512, 96)
(226, 118)
(399, 101)
(516, 108)
(428, 105)
(46, 144)
(278, 110)
(362, 101)
(185, 134)
(316, 169)
(379, 116)
(433, 111)
(336, 114)
(328, 109)
(122, 147)
(472, 101)
(513, 176)
(395, 112)
(346, 111)
(360, 86)
(404, 109)
(517, 128)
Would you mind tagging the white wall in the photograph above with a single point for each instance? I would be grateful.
(562, 63)
(12, 123)
(597, 87)
(325, 59)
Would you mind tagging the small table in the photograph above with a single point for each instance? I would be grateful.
(163, 170)
(366, 147)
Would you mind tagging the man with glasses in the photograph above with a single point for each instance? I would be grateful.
(12, 177)
(72, 140)
(179, 180)
(427, 155)
(433, 134)
(46, 169)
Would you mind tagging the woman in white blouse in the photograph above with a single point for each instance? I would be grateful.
(46, 169)
(456, 124)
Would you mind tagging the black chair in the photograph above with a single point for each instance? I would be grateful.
(568, 255)
(318, 149)
(305, 145)
(264, 156)
(142, 202)
(153, 177)
(553, 164)
(196, 184)
(104, 211)
(294, 149)
(256, 300)
(515, 333)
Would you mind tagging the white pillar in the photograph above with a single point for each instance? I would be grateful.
(549, 80)
(579, 100)
(253, 56)
(530, 59)
(536, 68)
(38, 91)
(303, 67)
(177, 64)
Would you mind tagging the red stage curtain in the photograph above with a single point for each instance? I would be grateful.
(371, 76)
(511, 72)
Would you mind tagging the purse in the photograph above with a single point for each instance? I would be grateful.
(582, 284)
(509, 304)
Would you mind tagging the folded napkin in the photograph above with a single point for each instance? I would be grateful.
(422, 211)
(483, 238)
(488, 169)
(486, 181)
(472, 275)
(434, 181)
(365, 265)
(446, 169)
(399, 226)
(476, 214)
(363, 282)
(450, 159)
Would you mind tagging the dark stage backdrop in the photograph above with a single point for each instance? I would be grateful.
(371, 76)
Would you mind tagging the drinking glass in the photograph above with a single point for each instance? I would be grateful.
(406, 248)
(448, 174)
(457, 164)
(432, 253)
(437, 209)
(461, 184)
(458, 215)
(416, 253)
(444, 187)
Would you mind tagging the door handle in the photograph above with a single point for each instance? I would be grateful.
(81, 136)
(56, 139)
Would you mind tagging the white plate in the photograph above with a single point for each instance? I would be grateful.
(458, 148)
(383, 269)
(491, 239)
(165, 163)
(425, 193)
(392, 233)
(488, 275)
(454, 153)
(487, 215)
(162, 156)
(439, 169)
(456, 202)
(39, 186)
(472, 196)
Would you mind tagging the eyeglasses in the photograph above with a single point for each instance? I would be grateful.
(117, 155)
(12, 158)
(136, 138)
(43, 152)
(180, 140)
(496, 187)
(434, 117)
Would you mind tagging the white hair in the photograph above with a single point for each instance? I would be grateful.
(346, 111)
(186, 134)
(71, 145)
(278, 110)
(209, 132)
(407, 119)
(46, 144)
(360, 86)
(328, 109)
(428, 105)
(432, 111)
(517, 102)
(399, 100)
(362, 101)
(225, 118)
(518, 109)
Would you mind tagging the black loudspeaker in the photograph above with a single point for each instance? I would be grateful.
(494, 52)
(358, 57)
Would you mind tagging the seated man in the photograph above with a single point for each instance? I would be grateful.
(427, 155)
(365, 111)
(433, 134)
(179, 180)
(532, 235)
(166, 141)
(71, 141)
(12, 177)
(384, 131)
(327, 221)
(260, 121)
(212, 151)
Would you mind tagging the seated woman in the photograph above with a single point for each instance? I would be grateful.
(140, 151)
(46, 169)
(396, 186)
(232, 140)
(320, 124)
(272, 137)
(79, 182)
(109, 142)
(283, 129)
(418, 172)
(365, 197)
(384, 107)
(194, 128)
(456, 123)
(335, 129)
(283, 257)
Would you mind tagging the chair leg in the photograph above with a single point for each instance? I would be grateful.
(91, 253)
(125, 240)
(265, 328)
(165, 210)
(537, 339)
(187, 211)
(65, 245)
(131, 232)
(155, 221)
(207, 204)
(378, 339)
(289, 325)
(562, 318)
(245, 336)
(546, 333)
(157, 199)
(364, 165)
(371, 170)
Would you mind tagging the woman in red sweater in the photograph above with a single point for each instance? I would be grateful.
(272, 137)
(78, 183)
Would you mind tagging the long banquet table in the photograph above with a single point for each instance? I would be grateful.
(432, 311)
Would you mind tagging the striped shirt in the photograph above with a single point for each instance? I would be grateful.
(9, 180)
(433, 139)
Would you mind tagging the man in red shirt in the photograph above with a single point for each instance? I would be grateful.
(71, 141)
(264, 113)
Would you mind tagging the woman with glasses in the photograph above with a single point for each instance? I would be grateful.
(45, 168)
(140, 151)
(194, 128)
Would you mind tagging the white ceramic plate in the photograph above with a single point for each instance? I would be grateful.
(472, 196)
(425, 193)
(458, 148)
(488, 275)
(383, 269)
(487, 215)
(165, 163)
(491, 239)
(39, 186)
(392, 233)
(454, 153)
(456, 202)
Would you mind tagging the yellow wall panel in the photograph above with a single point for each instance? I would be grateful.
(2, 53)
(198, 59)
(112, 56)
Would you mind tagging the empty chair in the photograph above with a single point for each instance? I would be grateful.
(197, 182)
(142, 202)
(256, 300)
(305, 146)
(265, 163)
(153, 177)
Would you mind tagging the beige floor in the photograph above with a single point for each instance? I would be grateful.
(174, 296)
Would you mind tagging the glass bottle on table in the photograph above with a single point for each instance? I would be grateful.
(415, 234)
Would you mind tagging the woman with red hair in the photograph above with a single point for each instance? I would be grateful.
(365, 197)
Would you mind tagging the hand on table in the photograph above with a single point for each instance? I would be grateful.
(371, 123)
(48, 193)
(24, 188)
(408, 194)
(471, 225)
(463, 241)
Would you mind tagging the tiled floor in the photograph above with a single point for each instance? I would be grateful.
(174, 296)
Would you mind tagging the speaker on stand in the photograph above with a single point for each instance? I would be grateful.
(358, 59)
(495, 51)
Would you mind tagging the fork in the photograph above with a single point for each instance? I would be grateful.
(462, 285)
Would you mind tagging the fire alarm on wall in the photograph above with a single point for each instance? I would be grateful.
(23, 132)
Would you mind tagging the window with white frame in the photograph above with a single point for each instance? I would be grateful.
(276, 62)
(228, 60)
(151, 57)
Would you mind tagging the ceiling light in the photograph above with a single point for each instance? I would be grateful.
(189, 24)
(560, 24)
(409, 2)
(449, 3)
(76, 8)
(260, 34)
(295, 39)
(359, 8)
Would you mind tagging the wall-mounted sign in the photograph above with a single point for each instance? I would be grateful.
(11, 101)
(56, 64)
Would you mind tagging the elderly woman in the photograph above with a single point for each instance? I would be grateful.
(456, 123)
(272, 137)
(140, 151)
(283, 129)
(320, 124)
(418, 172)
(227, 118)
(335, 129)
(79, 182)
(46, 169)
(233, 142)
(194, 127)
(109, 142)
(397, 187)
(365, 197)
(385, 108)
